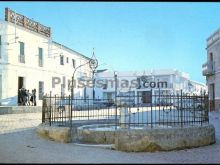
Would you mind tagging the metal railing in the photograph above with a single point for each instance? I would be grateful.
(208, 68)
(64, 111)
(164, 110)
(130, 111)
(40, 63)
(21, 59)
(28, 23)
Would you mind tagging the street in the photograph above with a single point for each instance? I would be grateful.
(19, 143)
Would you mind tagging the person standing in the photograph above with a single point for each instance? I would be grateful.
(31, 99)
(34, 97)
(19, 97)
(28, 97)
(23, 96)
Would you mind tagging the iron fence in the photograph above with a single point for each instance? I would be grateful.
(151, 111)
(64, 111)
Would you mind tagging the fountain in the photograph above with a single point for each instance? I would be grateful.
(137, 129)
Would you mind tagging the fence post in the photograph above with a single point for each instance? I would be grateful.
(43, 109)
(50, 109)
(53, 105)
(206, 105)
(123, 117)
(116, 106)
(70, 110)
(151, 111)
(181, 108)
(159, 105)
(194, 109)
(88, 108)
(115, 76)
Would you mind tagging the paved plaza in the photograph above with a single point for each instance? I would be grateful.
(19, 143)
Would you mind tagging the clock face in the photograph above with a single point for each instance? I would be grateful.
(93, 64)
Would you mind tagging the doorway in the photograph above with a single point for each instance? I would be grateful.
(146, 97)
(20, 85)
(20, 82)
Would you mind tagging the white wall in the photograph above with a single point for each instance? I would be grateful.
(30, 70)
(176, 81)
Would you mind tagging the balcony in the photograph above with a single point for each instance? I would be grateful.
(21, 59)
(208, 69)
(40, 63)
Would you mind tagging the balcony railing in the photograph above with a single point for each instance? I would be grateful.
(21, 59)
(25, 22)
(40, 63)
(208, 68)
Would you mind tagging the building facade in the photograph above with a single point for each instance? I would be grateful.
(211, 69)
(29, 58)
(165, 82)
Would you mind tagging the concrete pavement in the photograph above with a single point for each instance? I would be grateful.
(19, 143)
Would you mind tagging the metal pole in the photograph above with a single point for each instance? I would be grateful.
(159, 105)
(50, 109)
(93, 91)
(43, 109)
(151, 111)
(72, 87)
(181, 108)
(115, 75)
(71, 102)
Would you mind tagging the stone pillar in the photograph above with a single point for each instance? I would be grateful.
(123, 122)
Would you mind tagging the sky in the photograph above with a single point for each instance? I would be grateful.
(131, 36)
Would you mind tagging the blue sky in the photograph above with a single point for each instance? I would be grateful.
(131, 35)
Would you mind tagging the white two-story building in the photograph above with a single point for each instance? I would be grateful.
(164, 81)
(211, 69)
(29, 58)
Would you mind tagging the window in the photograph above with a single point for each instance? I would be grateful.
(211, 56)
(211, 62)
(21, 55)
(21, 48)
(40, 55)
(61, 60)
(41, 90)
(67, 60)
(73, 61)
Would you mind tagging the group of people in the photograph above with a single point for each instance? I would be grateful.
(26, 98)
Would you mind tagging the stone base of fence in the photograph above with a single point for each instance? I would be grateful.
(135, 140)
(60, 134)
(160, 139)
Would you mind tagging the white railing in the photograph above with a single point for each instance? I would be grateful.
(21, 59)
(208, 68)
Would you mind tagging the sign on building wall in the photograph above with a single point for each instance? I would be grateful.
(27, 23)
